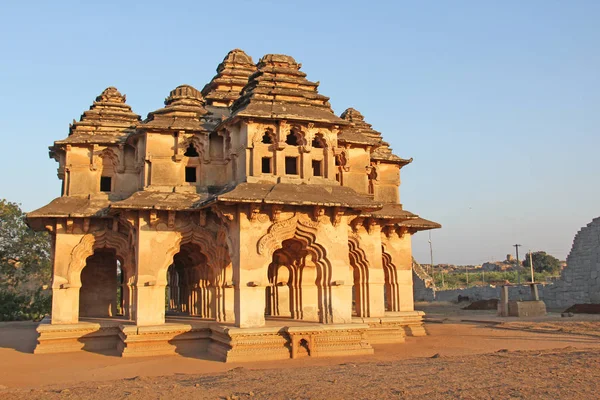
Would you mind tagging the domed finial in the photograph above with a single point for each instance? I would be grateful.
(184, 93)
(352, 115)
(111, 95)
(238, 56)
(279, 60)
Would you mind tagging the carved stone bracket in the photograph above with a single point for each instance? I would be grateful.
(276, 212)
(225, 213)
(336, 215)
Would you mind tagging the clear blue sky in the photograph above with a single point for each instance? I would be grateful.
(497, 101)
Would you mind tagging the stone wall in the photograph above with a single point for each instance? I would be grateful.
(579, 281)
(423, 285)
(475, 293)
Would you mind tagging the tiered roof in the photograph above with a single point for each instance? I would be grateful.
(184, 110)
(279, 90)
(109, 120)
(232, 76)
(361, 132)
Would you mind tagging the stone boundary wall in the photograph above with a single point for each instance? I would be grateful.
(475, 293)
(423, 285)
(579, 282)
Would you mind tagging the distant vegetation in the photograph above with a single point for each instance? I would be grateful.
(543, 262)
(25, 267)
(456, 280)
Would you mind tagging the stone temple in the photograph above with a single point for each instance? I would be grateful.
(245, 221)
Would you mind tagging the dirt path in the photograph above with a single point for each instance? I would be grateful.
(547, 374)
(526, 366)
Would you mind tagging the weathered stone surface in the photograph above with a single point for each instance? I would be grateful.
(577, 283)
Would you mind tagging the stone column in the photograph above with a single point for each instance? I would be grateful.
(338, 288)
(155, 250)
(249, 270)
(65, 283)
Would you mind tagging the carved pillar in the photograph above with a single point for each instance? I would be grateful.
(155, 251)
(65, 291)
(249, 271)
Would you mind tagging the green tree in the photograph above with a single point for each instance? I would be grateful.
(543, 262)
(25, 266)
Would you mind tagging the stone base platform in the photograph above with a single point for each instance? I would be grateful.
(90, 336)
(279, 340)
(532, 308)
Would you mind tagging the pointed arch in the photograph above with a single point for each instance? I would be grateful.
(104, 239)
(360, 267)
(391, 290)
(304, 230)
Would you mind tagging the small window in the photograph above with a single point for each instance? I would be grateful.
(105, 184)
(190, 174)
(316, 167)
(191, 152)
(317, 142)
(292, 139)
(291, 165)
(266, 139)
(266, 165)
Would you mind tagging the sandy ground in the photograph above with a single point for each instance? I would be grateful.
(456, 360)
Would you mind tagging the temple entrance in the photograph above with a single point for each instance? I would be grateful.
(101, 293)
(292, 291)
(190, 284)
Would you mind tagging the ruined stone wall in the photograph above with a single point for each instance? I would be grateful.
(579, 281)
(423, 285)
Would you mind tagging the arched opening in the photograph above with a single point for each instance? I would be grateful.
(190, 284)
(318, 142)
(216, 143)
(359, 269)
(191, 151)
(292, 139)
(390, 287)
(294, 287)
(267, 139)
(101, 293)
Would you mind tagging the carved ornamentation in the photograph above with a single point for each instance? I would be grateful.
(337, 214)
(97, 240)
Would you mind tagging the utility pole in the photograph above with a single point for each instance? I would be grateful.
(430, 255)
(467, 272)
(518, 262)
(531, 267)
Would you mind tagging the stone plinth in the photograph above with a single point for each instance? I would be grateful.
(64, 338)
(167, 339)
(533, 308)
(410, 321)
(249, 344)
(329, 340)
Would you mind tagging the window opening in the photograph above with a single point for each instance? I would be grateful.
(292, 139)
(105, 184)
(316, 167)
(291, 165)
(266, 139)
(191, 151)
(266, 165)
(317, 142)
(190, 174)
